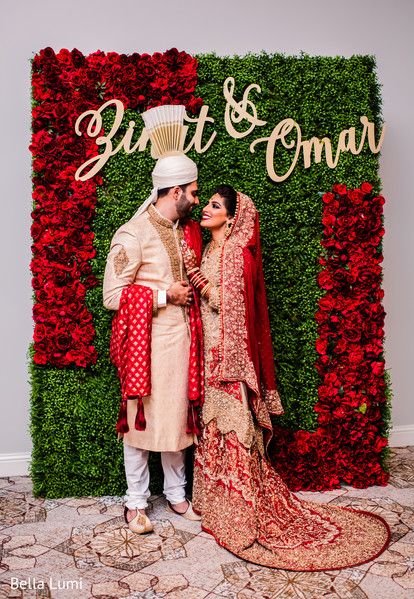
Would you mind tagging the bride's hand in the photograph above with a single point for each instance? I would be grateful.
(189, 257)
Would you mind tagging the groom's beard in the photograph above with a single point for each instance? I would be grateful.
(183, 206)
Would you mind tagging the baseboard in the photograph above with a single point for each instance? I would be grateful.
(401, 436)
(14, 464)
(17, 464)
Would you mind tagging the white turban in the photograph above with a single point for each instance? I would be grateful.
(169, 171)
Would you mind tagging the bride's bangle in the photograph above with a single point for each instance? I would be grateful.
(206, 290)
(198, 279)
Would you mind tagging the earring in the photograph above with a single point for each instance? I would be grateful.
(228, 229)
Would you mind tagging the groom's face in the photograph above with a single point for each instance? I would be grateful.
(187, 200)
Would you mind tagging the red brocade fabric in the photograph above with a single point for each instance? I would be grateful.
(192, 237)
(130, 350)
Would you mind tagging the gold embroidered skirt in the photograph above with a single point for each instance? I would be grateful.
(244, 503)
(251, 512)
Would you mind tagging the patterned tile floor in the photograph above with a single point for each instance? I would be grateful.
(81, 548)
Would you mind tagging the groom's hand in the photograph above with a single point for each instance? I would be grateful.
(180, 294)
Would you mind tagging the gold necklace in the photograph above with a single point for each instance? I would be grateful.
(215, 244)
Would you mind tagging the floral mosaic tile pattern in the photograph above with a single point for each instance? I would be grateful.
(81, 548)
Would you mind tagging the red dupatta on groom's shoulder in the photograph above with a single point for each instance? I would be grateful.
(130, 348)
(246, 352)
(192, 236)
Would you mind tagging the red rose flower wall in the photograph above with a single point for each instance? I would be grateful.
(350, 319)
(65, 85)
(75, 394)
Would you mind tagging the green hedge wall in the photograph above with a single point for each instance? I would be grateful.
(74, 410)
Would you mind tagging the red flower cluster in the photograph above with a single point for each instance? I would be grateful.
(65, 85)
(348, 442)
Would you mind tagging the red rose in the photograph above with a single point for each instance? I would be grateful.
(380, 443)
(373, 223)
(378, 200)
(370, 329)
(357, 356)
(194, 105)
(377, 368)
(322, 362)
(373, 350)
(302, 441)
(48, 55)
(331, 378)
(340, 412)
(352, 334)
(342, 277)
(327, 303)
(40, 333)
(91, 281)
(324, 280)
(356, 196)
(340, 346)
(339, 189)
(328, 220)
(366, 187)
(40, 357)
(334, 319)
(346, 220)
(328, 198)
(321, 316)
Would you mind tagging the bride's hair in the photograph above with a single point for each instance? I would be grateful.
(229, 195)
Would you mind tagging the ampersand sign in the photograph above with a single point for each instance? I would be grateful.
(238, 111)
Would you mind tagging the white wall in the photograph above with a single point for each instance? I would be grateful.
(321, 27)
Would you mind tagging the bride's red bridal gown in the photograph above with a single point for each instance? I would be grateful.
(244, 503)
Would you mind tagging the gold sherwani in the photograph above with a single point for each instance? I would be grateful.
(146, 251)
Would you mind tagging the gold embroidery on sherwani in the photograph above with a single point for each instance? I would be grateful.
(121, 261)
(171, 237)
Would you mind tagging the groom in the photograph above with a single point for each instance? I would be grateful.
(145, 259)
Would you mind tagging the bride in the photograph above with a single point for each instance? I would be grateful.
(242, 500)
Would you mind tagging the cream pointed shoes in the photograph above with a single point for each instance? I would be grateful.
(189, 514)
(140, 524)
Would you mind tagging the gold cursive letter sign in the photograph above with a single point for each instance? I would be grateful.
(95, 127)
(346, 143)
(197, 140)
(235, 113)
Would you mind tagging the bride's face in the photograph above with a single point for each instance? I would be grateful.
(214, 215)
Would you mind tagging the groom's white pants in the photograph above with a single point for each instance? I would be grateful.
(137, 475)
